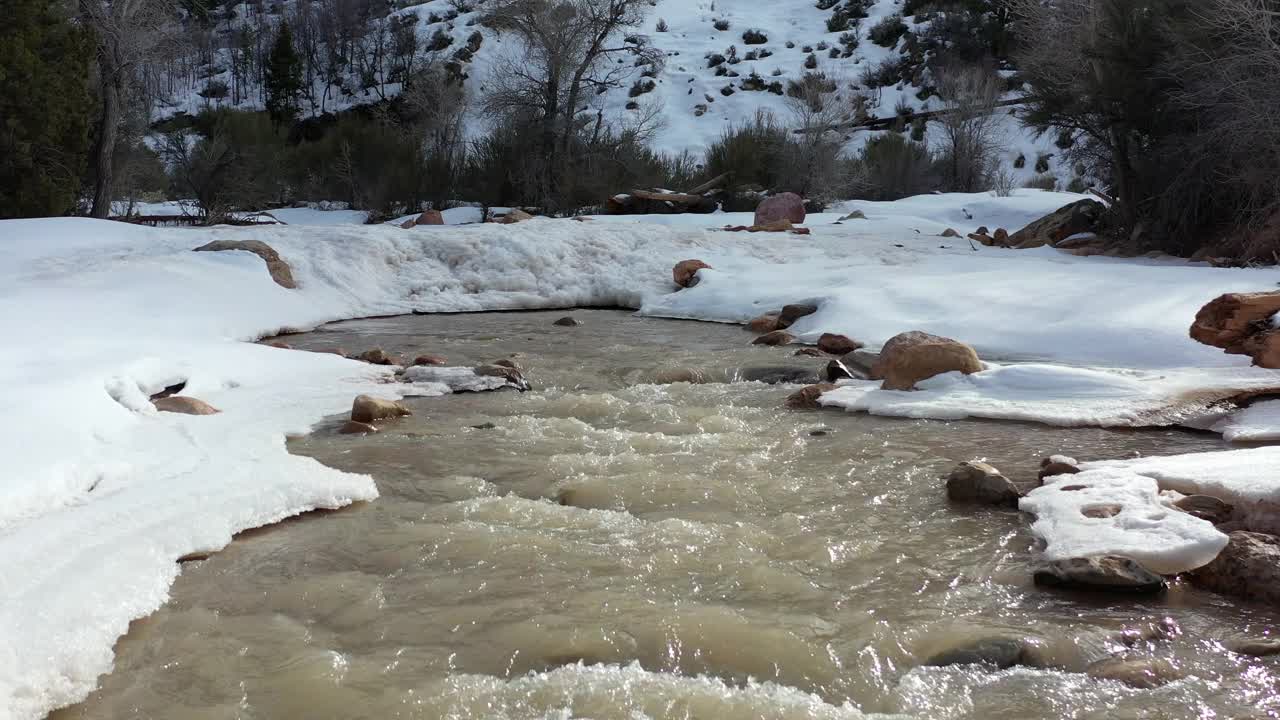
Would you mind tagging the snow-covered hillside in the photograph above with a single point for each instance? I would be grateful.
(724, 60)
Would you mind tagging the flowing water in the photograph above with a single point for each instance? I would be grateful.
(608, 546)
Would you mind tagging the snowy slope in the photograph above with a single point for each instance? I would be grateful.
(100, 494)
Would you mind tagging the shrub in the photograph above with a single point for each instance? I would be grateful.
(721, 24)
(661, 26)
(641, 86)
(811, 62)
(1042, 163)
(752, 151)
(754, 37)
(888, 31)
(893, 167)
(1044, 181)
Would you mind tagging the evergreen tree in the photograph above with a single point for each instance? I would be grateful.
(44, 109)
(283, 78)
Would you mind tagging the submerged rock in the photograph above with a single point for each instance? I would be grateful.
(978, 482)
(808, 352)
(1249, 567)
(1257, 647)
(184, 405)
(280, 271)
(1139, 672)
(1106, 573)
(913, 356)
(355, 427)
(997, 652)
(777, 337)
(807, 398)
(685, 273)
(378, 356)
(778, 375)
(567, 322)
(368, 409)
(429, 360)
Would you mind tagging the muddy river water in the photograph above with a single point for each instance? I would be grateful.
(616, 545)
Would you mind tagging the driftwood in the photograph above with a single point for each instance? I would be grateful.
(711, 185)
(701, 199)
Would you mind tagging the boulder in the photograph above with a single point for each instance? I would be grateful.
(280, 271)
(1058, 465)
(766, 323)
(685, 273)
(978, 482)
(184, 405)
(787, 206)
(1105, 573)
(950, 233)
(1205, 507)
(1143, 673)
(1249, 567)
(430, 217)
(777, 337)
(837, 344)
(807, 398)
(801, 231)
(422, 360)
(839, 370)
(783, 225)
(862, 360)
(1240, 324)
(999, 652)
(1083, 216)
(567, 322)
(793, 312)
(378, 356)
(913, 356)
(514, 215)
(368, 409)
(355, 427)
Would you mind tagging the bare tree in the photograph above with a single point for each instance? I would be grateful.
(129, 34)
(970, 127)
(813, 155)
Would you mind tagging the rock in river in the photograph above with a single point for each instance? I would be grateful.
(367, 409)
(911, 357)
(1249, 567)
(978, 482)
(1107, 573)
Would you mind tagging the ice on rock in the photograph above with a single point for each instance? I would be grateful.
(456, 379)
(1109, 511)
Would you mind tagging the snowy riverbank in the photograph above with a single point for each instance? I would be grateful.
(101, 494)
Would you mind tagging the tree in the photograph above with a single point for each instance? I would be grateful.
(283, 81)
(44, 109)
(812, 158)
(129, 33)
(970, 127)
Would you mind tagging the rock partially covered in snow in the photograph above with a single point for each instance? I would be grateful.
(1240, 323)
(1114, 512)
(368, 409)
(1078, 217)
(685, 273)
(280, 271)
(567, 321)
(1205, 507)
(777, 337)
(978, 482)
(766, 323)
(807, 398)
(787, 206)
(1058, 465)
(1106, 573)
(791, 313)
(465, 379)
(430, 217)
(1249, 567)
(184, 405)
(913, 356)
(837, 344)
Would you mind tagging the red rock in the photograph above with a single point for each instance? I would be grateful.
(837, 344)
(787, 206)
(430, 217)
(911, 357)
(685, 273)
(777, 337)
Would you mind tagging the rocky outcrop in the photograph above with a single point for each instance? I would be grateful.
(978, 482)
(914, 356)
(685, 273)
(1107, 573)
(1240, 323)
(787, 206)
(280, 271)
(369, 409)
(791, 313)
(184, 405)
(807, 398)
(777, 337)
(837, 344)
(1249, 567)
(1084, 216)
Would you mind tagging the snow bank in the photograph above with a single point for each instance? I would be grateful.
(101, 495)
(1111, 512)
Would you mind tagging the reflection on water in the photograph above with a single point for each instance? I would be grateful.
(613, 548)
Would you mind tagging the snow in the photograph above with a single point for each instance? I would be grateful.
(101, 494)
(1162, 539)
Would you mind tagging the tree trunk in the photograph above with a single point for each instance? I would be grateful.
(105, 145)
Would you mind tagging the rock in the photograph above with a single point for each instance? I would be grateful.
(1058, 465)
(510, 373)
(368, 409)
(1104, 573)
(913, 356)
(1001, 237)
(280, 271)
(775, 226)
(855, 215)
(978, 482)
(982, 231)
(801, 231)
(777, 337)
(1249, 567)
(279, 345)
(508, 362)
(807, 398)
(950, 233)
(184, 405)
(567, 322)
(821, 432)
(837, 344)
(423, 360)
(1084, 216)
(792, 313)
(766, 323)
(173, 389)
(839, 370)
(668, 376)
(998, 652)
(982, 239)
(1262, 647)
(685, 273)
(1240, 324)
(1206, 508)
(378, 356)
(407, 224)
(861, 360)
(808, 352)
(430, 217)
(355, 427)
(787, 206)
(1139, 672)
(514, 215)
(779, 375)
